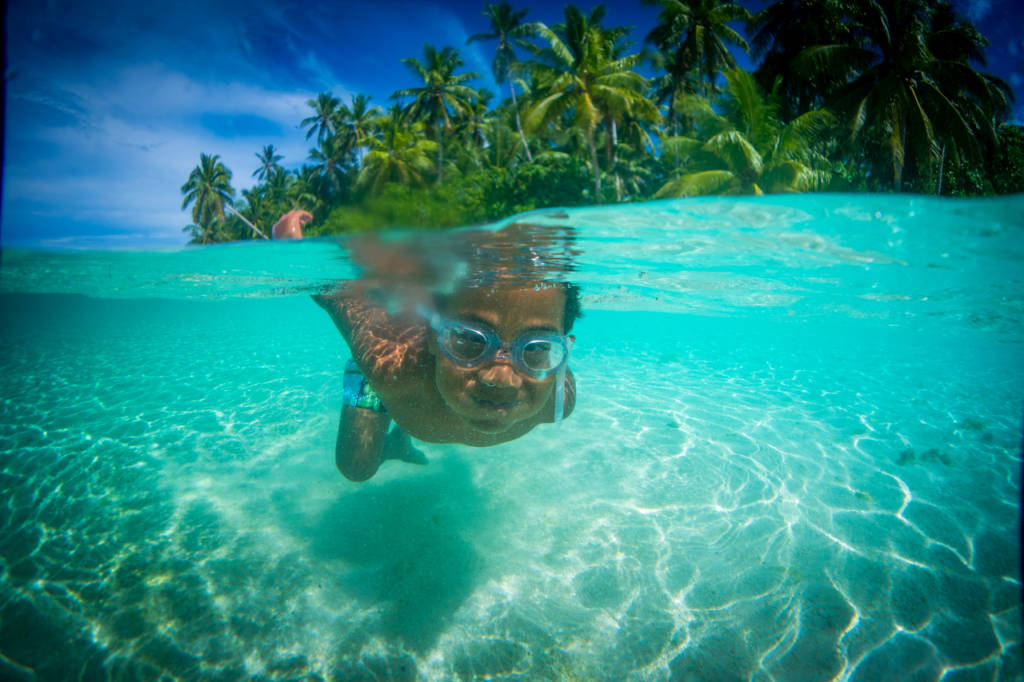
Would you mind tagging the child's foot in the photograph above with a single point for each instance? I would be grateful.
(399, 446)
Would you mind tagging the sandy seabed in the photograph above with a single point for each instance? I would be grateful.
(792, 502)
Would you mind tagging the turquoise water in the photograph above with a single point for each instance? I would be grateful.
(796, 456)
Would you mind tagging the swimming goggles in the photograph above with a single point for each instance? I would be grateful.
(469, 344)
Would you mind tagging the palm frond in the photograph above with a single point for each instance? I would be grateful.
(736, 151)
(697, 184)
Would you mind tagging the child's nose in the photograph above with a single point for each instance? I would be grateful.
(501, 374)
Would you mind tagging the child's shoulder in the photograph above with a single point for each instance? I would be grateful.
(387, 347)
(392, 356)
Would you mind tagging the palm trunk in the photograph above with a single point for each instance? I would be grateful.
(674, 118)
(519, 125)
(440, 155)
(900, 163)
(593, 163)
(207, 230)
(246, 221)
(942, 168)
(615, 161)
(609, 145)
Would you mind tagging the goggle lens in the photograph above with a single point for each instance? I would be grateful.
(464, 343)
(543, 355)
(536, 354)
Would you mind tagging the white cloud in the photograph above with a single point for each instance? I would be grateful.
(133, 138)
(116, 241)
(323, 76)
(112, 104)
(473, 53)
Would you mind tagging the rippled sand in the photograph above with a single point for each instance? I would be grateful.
(730, 501)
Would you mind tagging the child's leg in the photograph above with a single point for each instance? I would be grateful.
(362, 435)
(363, 428)
(364, 442)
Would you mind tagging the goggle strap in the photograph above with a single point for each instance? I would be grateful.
(560, 380)
(560, 392)
(431, 316)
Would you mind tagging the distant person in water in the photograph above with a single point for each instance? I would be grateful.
(291, 223)
(480, 365)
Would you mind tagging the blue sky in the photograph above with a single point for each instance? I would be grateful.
(110, 102)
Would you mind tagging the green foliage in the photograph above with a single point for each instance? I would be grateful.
(587, 80)
(1007, 168)
(323, 122)
(898, 73)
(268, 159)
(442, 96)
(747, 150)
(463, 199)
(208, 189)
(399, 155)
(396, 205)
(848, 96)
(693, 36)
(549, 181)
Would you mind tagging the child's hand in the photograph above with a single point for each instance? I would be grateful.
(290, 224)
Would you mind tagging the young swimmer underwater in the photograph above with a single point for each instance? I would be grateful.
(481, 365)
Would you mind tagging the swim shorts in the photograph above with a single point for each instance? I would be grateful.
(357, 392)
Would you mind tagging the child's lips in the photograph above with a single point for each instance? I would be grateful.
(493, 404)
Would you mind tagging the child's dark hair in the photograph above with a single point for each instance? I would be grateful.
(573, 311)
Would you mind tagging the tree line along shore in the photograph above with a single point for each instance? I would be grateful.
(887, 96)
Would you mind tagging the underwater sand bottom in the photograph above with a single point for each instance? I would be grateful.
(696, 519)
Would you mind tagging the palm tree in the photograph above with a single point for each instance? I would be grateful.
(746, 149)
(309, 190)
(401, 154)
(634, 171)
(635, 153)
(693, 34)
(255, 204)
(780, 32)
(581, 75)
(204, 233)
(983, 99)
(476, 118)
(442, 94)
(503, 146)
(358, 120)
(332, 158)
(257, 209)
(323, 121)
(278, 185)
(363, 117)
(268, 162)
(911, 90)
(626, 118)
(208, 190)
(507, 28)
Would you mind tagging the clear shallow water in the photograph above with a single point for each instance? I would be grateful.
(796, 456)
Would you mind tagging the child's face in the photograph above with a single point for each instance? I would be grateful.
(495, 395)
